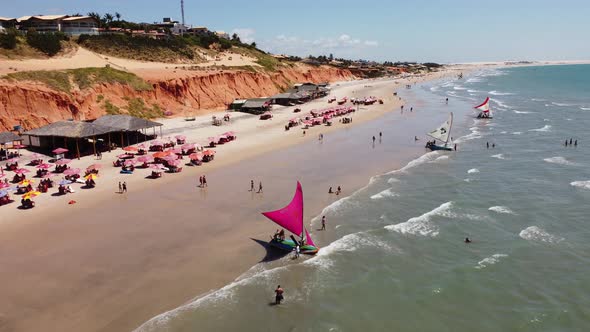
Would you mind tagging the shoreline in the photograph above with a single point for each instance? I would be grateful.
(141, 232)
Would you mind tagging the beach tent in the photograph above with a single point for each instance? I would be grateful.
(61, 131)
(8, 137)
(124, 124)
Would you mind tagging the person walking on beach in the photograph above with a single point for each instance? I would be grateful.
(260, 187)
(373, 139)
(488, 145)
(455, 147)
(297, 251)
(201, 181)
(570, 141)
(338, 190)
(251, 185)
(124, 187)
(566, 142)
(120, 188)
(330, 191)
(411, 109)
(304, 133)
(447, 101)
(279, 295)
(576, 143)
(204, 181)
(323, 223)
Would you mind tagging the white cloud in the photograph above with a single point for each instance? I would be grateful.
(246, 34)
(343, 45)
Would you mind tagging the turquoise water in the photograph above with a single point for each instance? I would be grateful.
(394, 257)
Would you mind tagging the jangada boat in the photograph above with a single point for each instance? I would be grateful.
(485, 111)
(291, 218)
(443, 135)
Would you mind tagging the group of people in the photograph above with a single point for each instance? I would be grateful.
(122, 187)
(571, 142)
(44, 185)
(252, 186)
(8, 155)
(488, 145)
(202, 181)
(338, 191)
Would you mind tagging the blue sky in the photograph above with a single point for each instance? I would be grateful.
(419, 30)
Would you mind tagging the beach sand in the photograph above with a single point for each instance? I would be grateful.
(112, 261)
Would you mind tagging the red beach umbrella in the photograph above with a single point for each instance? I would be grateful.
(60, 151)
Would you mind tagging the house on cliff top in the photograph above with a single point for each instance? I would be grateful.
(70, 25)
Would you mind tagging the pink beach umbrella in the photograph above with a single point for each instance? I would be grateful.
(175, 163)
(94, 167)
(44, 166)
(158, 167)
(60, 151)
(145, 159)
(180, 137)
(63, 161)
(141, 146)
(22, 171)
(48, 175)
(4, 185)
(12, 160)
(188, 146)
(72, 171)
(196, 156)
(156, 143)
(175, 150)
(130, 162)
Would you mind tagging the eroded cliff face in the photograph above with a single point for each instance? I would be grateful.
(32, 105)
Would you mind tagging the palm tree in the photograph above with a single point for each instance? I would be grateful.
(108, 17)
(118, 16)
(96, 17)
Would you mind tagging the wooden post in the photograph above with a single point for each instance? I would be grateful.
(94, 144)
(122, 144)
(109, 142)
(77, 149)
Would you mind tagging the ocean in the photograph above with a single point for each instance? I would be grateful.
(394, 257)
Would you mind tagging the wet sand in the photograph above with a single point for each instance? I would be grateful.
(110, 265)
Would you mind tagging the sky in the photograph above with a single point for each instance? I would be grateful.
(439, 31)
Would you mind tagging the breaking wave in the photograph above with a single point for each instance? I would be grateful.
(472, 171)
(562, 104)
(385, 194)
(498, 156)
(422, 225)
(425, 158)
(559, 161)
(581, 184)
(544, 129)
(497, 93)
(501, 209)
(495, 258)
(534, 233)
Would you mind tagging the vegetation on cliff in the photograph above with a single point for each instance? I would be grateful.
(66, 80)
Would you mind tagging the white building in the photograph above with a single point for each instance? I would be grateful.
(71, 25)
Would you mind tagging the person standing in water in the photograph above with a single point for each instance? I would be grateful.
(447, 101)
(260, 187)
(576, 143)
(323, 223)
(467, 240)
(488, 145)
(570, 141)
(566, 142)
(279, 295)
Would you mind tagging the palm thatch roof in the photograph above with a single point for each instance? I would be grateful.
(256, 103)
(9, 137)
(122, 122)
(71, 129)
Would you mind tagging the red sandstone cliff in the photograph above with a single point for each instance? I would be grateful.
(33, 104)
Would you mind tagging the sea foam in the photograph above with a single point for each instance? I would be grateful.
(472, 171)
(544, 129)
(495, 258)
(501, 209)
(422, 225)
(534, 233)
(498, 156)
(559, 161)
(385, 194)
(581, 184)
(427, 157)
(498, 93)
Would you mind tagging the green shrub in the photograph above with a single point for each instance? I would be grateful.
(8, 39)
(110, 108)
(48, 43)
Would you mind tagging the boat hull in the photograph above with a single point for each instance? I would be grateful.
(439, 148)
(289, 245)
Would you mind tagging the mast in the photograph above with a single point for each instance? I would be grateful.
(182, 12)
(450, 127)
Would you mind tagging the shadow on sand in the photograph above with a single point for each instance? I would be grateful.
(272, 254)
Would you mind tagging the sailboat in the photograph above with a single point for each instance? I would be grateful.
(291, 218)
(485, 112)
(443, 135)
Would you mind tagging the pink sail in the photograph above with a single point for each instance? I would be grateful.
(291, 216)
(485, 106)
(308, 239)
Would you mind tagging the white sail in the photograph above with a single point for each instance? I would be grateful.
(443, 132)
(485, 108)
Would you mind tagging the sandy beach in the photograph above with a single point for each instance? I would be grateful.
(112, 261)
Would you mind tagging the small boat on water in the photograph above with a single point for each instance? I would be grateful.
(485, 111)
(441, 134)
(291, 218)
